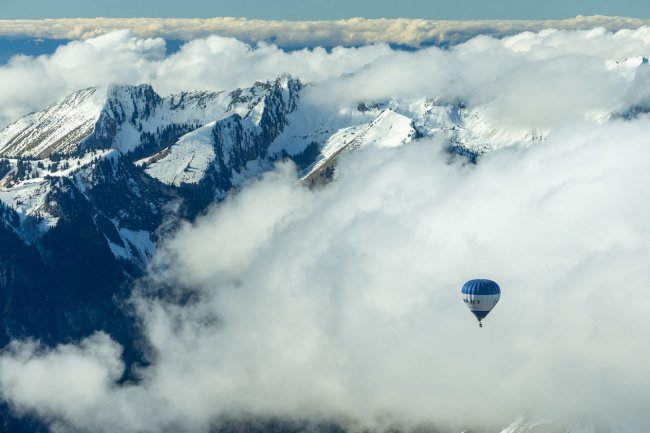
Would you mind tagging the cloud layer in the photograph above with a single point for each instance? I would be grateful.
(529, 77)
(343, 302)
(299, 34)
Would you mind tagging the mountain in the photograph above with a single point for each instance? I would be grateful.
(126, 118)
(79, 221)
(388, 129)
(57, 129)
(111, 169)
(89, 184)
(224, 153)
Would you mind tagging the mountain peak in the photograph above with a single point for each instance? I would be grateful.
(56, 129)
(121, 91)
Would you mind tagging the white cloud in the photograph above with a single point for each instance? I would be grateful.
(343, 302)
(29, 83)
(530, 78)
(292, 34)
(215, 63)
(48, 380)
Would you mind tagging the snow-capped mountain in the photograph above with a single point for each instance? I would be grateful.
(230, 149)
(388, 129)
(59, 128)
(121, 117)
(197, 146)
(78, 137)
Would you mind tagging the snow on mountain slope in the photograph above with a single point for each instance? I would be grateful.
(320, 133)
(467, 130)
(136, 116)
(477, 131)
(35, 191)
(186, 161)
(235, 148)
(28, 200)
(474, 128)
(135, 112)
(58, 128)
(27, 183)
(54, 168)
(389, 129)
(311, 123)
(206, 143)
(123, 117)
(132, 245)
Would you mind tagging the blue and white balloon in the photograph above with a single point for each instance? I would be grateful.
(481, 296)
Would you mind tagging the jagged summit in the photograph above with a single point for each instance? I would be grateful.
(228, 147)
(222, 137)
(127, 151)
(124, 117)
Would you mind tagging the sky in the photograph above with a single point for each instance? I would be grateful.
(344, 302)
(324, 10)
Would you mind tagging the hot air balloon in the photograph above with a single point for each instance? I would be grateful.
(481, 296)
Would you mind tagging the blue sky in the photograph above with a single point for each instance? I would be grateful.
(328, 9)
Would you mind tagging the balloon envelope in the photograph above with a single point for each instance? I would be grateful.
(481, 296)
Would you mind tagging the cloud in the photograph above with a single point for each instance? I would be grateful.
(529, 78)
(30, 83)
(299, 34)
(348, 304)
(343, 302)
(215, 63)
(83, 373)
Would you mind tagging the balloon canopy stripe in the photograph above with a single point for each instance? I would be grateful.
(481, 287)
